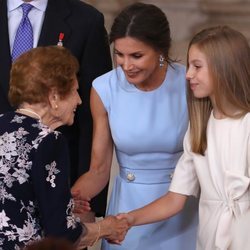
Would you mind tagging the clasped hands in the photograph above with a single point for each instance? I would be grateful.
(112, 228)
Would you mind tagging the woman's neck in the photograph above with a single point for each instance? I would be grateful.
(155, 81)
(41, 112)
(30, 111)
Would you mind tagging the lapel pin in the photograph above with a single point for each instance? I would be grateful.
(60, 42)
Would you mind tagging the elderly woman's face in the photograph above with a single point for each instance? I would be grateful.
(67, 106)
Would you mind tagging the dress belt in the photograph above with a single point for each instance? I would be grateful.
(146, 176)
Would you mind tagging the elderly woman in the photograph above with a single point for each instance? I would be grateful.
(35, 198)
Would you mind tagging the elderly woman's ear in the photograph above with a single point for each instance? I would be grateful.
(53, 99)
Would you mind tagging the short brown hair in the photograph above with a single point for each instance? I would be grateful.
(35, 73)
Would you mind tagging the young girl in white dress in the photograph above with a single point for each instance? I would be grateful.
(216, 159)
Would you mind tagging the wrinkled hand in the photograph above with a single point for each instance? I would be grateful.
(111, 228)
(114, 229)
(80, 205)
(130, 221)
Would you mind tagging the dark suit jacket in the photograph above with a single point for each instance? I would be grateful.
(85, 36)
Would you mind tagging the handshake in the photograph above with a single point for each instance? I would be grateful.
(111, 228)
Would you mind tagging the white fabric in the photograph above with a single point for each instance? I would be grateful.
(222, 176)
(240, 233)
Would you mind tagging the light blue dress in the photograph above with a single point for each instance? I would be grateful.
(148, 130)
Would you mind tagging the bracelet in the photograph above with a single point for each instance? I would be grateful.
(99, 233)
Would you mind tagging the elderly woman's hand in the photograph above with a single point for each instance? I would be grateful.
(80, 205)
(111, 228)
(114, 229)
(130, 220)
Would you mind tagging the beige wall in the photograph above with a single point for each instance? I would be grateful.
(188, 16)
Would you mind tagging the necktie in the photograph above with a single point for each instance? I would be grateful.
(24, 35)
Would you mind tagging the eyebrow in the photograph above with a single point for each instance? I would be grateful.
(195, 61)
(136, 52)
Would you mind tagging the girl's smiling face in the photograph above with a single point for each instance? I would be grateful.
(198, 74)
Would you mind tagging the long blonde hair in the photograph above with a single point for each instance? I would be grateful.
(228, 56)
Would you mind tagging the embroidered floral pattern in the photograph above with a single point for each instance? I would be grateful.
(53, 171)
(71, 218)
(17, 148)
(28, 232)
(44, 131)
(3, 220)
(18, 118)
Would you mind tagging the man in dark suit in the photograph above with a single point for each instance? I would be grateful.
(83, 32)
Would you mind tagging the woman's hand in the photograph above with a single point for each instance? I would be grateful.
(114, 229)
(80, 205)
(130, 219)
(111, 228)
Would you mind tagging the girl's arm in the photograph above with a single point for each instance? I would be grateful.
(92, 182)
(160, 209)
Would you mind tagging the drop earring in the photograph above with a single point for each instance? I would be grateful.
(161, 61)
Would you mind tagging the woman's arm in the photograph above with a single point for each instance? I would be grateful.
(92, 182)
(160, 209)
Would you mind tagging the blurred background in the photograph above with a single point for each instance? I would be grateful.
(186, 17)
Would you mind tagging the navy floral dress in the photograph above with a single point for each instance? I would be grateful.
(35, 199)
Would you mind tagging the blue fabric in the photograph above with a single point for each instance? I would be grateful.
(148, 130)
(24, 35)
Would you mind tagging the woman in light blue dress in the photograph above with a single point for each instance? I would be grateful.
(140, 108)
